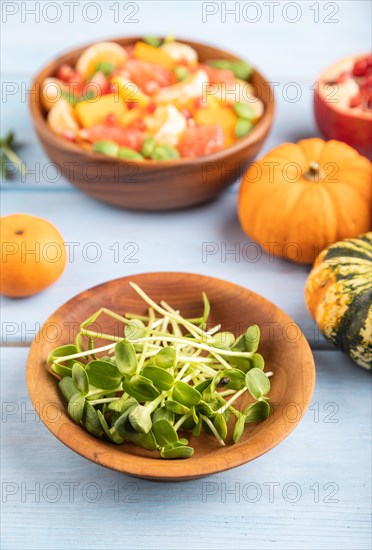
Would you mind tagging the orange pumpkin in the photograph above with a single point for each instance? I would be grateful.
(303, 196)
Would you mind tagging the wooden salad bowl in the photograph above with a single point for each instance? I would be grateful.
(283, 346)
(151, 185)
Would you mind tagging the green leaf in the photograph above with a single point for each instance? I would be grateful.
(103, 375)
(91, 421)
(257, 361)
(162, 379)
(243, 127)
(147, 441)
(257, 383)
(165, 358)
(204, 408)
(140, 418)
(220, 63)
(122, 404)
(252, 338)
(80, 378)
(105, 67)
(68, 388)
(126, 358)
(220, 425)
(175, 451)
(239, 428)
(236, 379)
(163, 413)
(164, 433)
(243, 110)
(175, 407)
(256, 412)
(223, 340)
(111, 434)
(62, 351)
(152, 41)
(61, 370)
(121, 424)
(241, 69)
(141, 388)
(185, 394)
(202, 386)
(76, 407)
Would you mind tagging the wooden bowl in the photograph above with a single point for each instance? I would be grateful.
(151, 185)
(283, 346)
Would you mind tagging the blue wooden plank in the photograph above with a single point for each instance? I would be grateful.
(106, 243)
(311, 492)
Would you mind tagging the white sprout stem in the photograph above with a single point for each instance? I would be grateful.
(172, 314)
(195, 331)
(268, 374)
(226, 393)
(83, 353)
(104, 400)
(232, 400)
(181, 420)
(214, 431)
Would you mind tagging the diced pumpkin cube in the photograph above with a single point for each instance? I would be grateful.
(95, 111)
(224, 116)
(148, 53)
(131, 115)
(130, 92)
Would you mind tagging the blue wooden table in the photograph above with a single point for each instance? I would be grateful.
(311, 492)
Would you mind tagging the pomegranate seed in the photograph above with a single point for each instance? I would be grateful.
(64, 72)
(198, 103)
(138, 124)
(356, 100)
(151, 107)
(360, 67)
(111, 120)
(131, 105)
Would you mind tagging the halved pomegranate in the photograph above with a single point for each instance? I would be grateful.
(343, 102)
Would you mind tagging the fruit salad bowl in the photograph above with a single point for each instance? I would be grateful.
(151, 184)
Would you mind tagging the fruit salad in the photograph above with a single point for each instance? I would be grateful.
(151, 100)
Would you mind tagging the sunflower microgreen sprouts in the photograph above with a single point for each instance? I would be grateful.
(163, 375)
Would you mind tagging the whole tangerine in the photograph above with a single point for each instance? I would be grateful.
(33, 255)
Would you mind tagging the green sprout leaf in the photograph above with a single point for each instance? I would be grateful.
(126, 358)
(68, 388)
(175, 451)
(164, 433)
(257, 383)
(141, 388)
(80, 378)
(256, 412)
(165, 358)
(140, 418)
(239, 428)
(76, 407)
(185, 394)
(161, 379)
(103, 375)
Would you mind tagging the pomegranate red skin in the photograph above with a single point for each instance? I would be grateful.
(351, 127)
(343, 126)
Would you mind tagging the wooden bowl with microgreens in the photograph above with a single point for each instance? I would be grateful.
(170, 376)
(151, 123)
